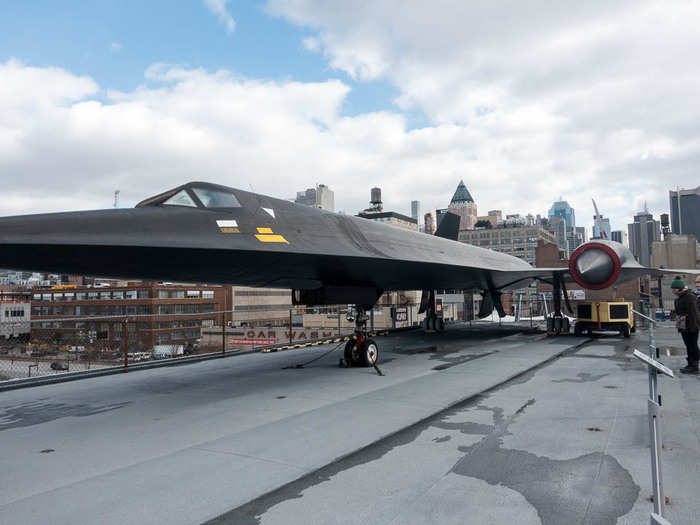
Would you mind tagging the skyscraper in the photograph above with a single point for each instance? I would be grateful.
(689, 211)
(566, 233)
(415, 209)
(642, 233)
(463, 204)
(605, 223)
(619, 236)
(562, 209)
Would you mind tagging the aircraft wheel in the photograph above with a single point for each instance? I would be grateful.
(565, 325)
(352, 355)
(370, 352)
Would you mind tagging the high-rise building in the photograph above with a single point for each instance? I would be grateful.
(566, 232)
(440, 214)
(689, 211)
(619, 236)
(319, 197)
(642, 233)
(463, 204)
(557, 225)
(562, 209)
(415, 210)
(604, 223)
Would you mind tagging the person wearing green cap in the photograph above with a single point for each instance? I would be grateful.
(687, 322)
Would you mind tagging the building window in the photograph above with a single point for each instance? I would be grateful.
(105, 295)
(69, 296)
(192, 294)
(80, 296)
(131, 295)
(117, 296)
(92, 296)
(177, 294)
(143, 294)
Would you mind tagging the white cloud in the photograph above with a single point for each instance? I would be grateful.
(546, 98)
(218, 7)
(116, 46)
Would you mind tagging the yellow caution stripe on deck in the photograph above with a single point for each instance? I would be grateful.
(318, 343)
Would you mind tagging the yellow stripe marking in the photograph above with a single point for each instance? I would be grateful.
(264, 230)
(271, 238)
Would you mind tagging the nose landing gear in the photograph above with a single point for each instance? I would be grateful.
(360, 350)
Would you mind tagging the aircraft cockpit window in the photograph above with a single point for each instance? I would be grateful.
(181, 198)
(216, 198)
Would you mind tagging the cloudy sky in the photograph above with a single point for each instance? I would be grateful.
(525, 101)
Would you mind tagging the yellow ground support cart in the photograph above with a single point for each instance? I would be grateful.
(603, 315)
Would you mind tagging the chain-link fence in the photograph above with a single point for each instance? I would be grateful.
(57, 345)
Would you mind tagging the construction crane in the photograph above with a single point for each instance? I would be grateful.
(599, 221)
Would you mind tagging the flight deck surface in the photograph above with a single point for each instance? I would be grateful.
(442, 437)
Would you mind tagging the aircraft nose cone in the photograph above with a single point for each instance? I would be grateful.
(595, 266)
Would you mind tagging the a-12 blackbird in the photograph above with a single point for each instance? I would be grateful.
(202, 232)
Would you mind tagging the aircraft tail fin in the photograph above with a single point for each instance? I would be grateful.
(449, 227)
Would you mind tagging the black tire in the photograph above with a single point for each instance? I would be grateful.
(353, 355)
(565, 325)
(370, 352)
(578, 329)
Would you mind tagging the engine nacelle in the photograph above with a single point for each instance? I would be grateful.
(597, 264)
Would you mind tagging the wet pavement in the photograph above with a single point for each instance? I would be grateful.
(478, 425)
(565, 443)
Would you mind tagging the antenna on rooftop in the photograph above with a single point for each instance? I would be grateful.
(116, 198)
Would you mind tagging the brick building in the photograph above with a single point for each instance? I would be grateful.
(157, 314)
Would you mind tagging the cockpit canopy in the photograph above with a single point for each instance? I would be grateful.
(195, 195)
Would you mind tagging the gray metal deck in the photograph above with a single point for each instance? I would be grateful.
(244, 440)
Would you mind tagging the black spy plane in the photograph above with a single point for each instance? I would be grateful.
(202, 232)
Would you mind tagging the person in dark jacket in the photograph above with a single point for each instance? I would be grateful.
(687, 322)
